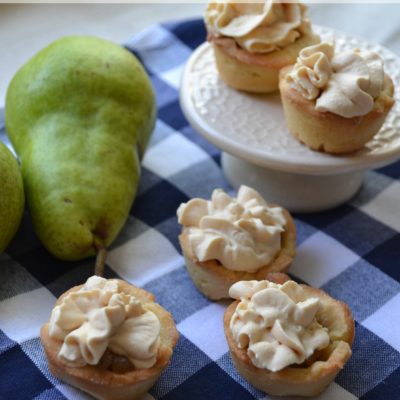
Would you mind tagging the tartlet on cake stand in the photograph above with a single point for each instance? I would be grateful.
(258, 150)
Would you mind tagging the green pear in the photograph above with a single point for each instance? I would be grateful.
(79, 114)
(11, 196)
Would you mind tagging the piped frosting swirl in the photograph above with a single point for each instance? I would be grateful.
(258, 27)
(274, 326)
(344, 83)
(98, 317)
(242, 233)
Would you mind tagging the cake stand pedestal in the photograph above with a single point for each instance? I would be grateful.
(296, 192)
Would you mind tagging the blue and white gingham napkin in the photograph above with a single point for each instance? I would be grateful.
(351, 252)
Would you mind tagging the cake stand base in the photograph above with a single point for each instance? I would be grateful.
(295, 192)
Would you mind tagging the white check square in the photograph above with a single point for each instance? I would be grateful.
(159, 49)
(335, 392)
(173, 76)
(385, 322)
(144, 258)
(73, 393)
(385, 206)
(161, 131)
(320, 258)
(162, 159)
(205, 329)
(23, 315)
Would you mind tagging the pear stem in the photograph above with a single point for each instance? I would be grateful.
(100, 261)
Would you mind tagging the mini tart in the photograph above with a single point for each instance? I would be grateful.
(103, 383)
(317, 372)
(214, 280)
(329, 132)
(255, 72)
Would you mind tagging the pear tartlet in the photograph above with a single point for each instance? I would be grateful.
(226, 240)
(287, 339)
(253, 41)
(335, 102)
(109, 339)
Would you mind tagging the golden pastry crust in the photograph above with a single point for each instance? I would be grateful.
(329, 132)
(105, 384)
(258, 73)
(214, 280)
(313, 376)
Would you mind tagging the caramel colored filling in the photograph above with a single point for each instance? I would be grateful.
(115, 363)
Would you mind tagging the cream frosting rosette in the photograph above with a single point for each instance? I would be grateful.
(99, 317)
(345, 83)
(258, 27)
(275, 327)
(242, 233)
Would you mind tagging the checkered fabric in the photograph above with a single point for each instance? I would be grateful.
(352, 252)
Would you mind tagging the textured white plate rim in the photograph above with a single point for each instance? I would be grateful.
(293, 163)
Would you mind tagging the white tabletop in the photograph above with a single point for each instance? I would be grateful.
(26, 28)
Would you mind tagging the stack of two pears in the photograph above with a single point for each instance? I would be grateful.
(79, 115)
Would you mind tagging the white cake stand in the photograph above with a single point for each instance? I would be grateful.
(259, 151)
